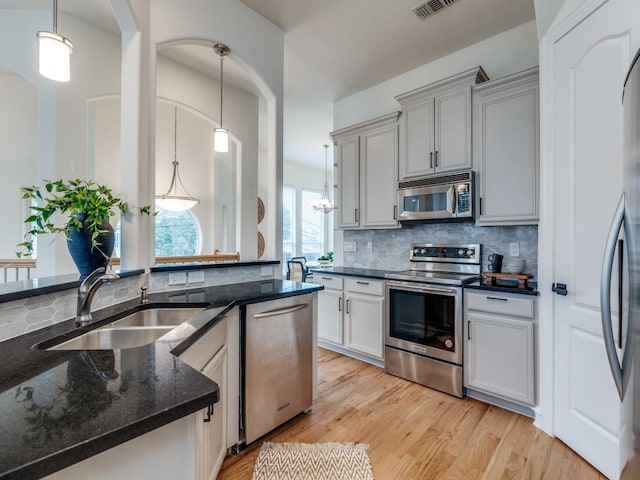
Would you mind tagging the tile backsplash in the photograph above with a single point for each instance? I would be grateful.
(28, 314)
(390, 248)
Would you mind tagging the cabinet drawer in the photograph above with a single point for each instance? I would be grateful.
(364, 285)
(329, 281)
(496, 303)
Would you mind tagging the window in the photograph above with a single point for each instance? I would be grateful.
(303, 227)
(312, 235)
(288, 223)
(177, 233)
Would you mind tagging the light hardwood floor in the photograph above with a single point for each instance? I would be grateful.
(415, 432)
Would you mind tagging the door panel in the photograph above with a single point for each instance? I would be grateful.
(418, 138)
(348, 152)
(589, 67)
(379, 186)
(453, 131)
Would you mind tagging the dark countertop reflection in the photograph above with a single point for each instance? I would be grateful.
(60, 407)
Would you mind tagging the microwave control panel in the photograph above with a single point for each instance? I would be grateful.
(463, 194)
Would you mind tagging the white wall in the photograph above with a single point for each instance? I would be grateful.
(61, 134)
(503, 54)
(18, 155)
(258, 46)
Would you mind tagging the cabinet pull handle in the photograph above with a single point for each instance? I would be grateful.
(480, 205)
(209, 413)
(362, 283)
(498, 298)
(468, 329)
(326, 278)
(357, 216)
(347, 310)
(395, 212)
(436, 158)
(431, 160)
(339, 304)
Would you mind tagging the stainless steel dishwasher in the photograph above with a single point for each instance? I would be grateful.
(278, 356)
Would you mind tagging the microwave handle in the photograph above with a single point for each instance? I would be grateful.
(451, 200)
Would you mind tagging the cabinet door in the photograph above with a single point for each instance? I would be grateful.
(417, 143)
(364, 317)
(453, 131)
(348, 193)
(499, 357)
(506, 151)
(330, 316)
(378, 167)
(211, 430)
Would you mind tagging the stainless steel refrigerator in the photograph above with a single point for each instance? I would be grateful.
(622, 335)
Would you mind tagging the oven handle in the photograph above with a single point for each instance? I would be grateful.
(421, 288)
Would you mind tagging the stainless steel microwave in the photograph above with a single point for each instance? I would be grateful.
(447, 196)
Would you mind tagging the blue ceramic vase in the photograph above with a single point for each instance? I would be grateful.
(86, 257)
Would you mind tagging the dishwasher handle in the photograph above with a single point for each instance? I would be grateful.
(280, 311)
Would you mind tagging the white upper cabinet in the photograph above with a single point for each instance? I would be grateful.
(366, 173)
(506, 149)
(435, 129)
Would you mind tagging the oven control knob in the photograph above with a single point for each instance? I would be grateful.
(416, 251)
(471, 252)
(423, 251)
(460, 252)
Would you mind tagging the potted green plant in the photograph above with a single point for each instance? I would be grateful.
(326, 259)
(87, 207)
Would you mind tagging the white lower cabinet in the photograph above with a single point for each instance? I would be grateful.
(499, 355)
(351, 316)
(193, 447)
(211, 424)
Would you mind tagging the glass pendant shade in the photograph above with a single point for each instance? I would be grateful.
(221, 140)
(54, 52)
(173, 200)
(324, 205)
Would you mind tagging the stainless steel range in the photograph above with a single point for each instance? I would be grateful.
(423, 338)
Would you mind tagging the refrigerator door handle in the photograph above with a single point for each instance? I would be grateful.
(619, 371)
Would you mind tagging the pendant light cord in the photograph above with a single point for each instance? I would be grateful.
(55, 16)
(221, 84)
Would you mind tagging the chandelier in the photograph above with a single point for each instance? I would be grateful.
(324, 204)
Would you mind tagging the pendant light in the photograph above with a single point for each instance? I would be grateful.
(54, 52)
(172, 200)
(324, 204)
(221, 135)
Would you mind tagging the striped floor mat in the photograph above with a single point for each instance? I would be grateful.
(313, 461)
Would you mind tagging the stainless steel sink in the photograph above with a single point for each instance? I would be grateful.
(156, 317)
(110, 338)
(134, 330)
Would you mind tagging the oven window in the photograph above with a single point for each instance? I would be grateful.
(434, 202)
(424, 318)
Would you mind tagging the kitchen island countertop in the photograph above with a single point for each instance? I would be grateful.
(60, 407)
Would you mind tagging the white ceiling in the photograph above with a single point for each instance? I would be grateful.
(334, 48)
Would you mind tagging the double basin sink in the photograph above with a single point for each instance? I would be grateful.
(133, 330)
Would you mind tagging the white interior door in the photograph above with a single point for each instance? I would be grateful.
(589, 67)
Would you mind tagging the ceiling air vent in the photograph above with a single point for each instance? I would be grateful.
(430, 7)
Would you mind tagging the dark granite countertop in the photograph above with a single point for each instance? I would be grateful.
(505, 288)
(170, 267)
(352, 271)
(60, 407)
(380, 274)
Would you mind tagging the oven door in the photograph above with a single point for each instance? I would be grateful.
(425, 319)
